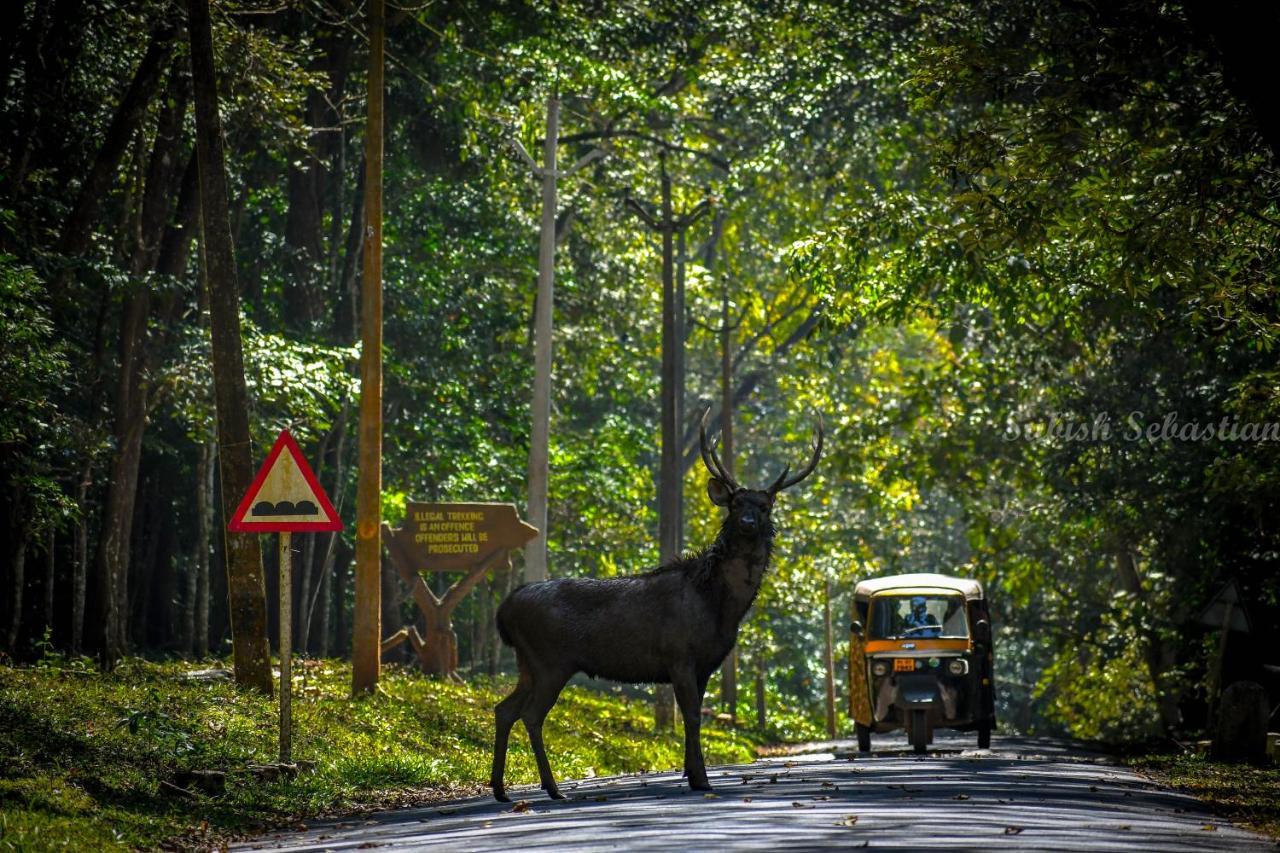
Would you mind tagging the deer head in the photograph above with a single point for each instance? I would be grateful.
(749, 508)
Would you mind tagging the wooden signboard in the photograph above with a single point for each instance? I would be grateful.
(474, 538)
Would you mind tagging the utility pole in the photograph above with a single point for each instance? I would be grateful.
(535, 553)
(669, 224)
(729, 669)
(366, 651)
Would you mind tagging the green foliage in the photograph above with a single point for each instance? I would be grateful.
(84, 752)
(34, 373)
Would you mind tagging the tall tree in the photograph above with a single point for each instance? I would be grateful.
(245, 582)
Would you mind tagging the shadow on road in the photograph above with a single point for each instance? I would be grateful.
(1012, 797)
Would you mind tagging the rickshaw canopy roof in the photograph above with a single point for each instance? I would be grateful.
(923, 583)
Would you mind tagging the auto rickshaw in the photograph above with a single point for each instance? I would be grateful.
(920, 658)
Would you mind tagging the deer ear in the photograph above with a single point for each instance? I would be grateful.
(719, 492)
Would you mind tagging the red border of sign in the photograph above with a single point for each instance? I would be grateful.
(238, 523)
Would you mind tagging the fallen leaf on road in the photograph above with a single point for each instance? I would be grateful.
(848, 821)
(711, 796)
(1012, 830)
(1208, 827)
(829, 784)
(600, 799)
(1124, 826)
(746, 799)
(822, 797)
(803, 806)
(521, 806)
(960, 797)
(774, 778)
(440, 811)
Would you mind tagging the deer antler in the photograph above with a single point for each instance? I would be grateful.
(709, 457)
(785, 482)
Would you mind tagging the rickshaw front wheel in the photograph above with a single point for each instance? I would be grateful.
(864, 737)
(920, 731)
(984, 735)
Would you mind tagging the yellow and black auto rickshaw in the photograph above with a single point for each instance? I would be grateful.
(920, 658)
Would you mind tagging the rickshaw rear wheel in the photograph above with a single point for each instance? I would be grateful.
(864, 737)
(920, 731)
(984, 735)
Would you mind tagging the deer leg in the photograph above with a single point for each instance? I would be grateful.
(546, 691)
(505, 715)
(689, 690)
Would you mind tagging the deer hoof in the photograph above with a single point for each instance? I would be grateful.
(554, 793)
(501, 795)
(699, 785)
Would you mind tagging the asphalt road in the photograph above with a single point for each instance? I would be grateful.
(1021, 795)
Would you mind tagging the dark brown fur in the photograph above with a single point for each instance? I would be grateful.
(672, 625)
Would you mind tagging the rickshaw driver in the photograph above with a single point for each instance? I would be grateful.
(920, 622)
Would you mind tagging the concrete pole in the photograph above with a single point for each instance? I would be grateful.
(535, 552)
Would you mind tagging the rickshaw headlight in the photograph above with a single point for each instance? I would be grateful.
(957, 666)
(879, 668)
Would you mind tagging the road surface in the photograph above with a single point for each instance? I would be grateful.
(1021, 795)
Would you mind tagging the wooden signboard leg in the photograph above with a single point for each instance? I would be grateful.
(438, 649)
(286, 648)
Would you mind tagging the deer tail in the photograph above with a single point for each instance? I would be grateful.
(501, 620)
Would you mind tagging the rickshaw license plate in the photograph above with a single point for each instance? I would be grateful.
(904, 664)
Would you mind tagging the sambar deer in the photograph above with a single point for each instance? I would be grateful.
(674, 624)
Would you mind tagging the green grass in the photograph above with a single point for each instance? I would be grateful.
(82, 753)
(1245, 794)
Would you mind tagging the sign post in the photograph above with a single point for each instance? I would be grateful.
(285, 498)
(474, 538)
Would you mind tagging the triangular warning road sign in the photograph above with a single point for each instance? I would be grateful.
(285, 497)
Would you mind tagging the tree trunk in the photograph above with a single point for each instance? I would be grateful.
(131, 391)
(78, 228)
(1158, 654)
(50, 564)
(48, 66)
(245, 585)
(18, 581)
(204, 528)
(828, 659)
(80, 565)
(762, 719)
(117, 523)
(341, 629)
(324, 596)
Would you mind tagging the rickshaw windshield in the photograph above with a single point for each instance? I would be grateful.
(904, 617)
